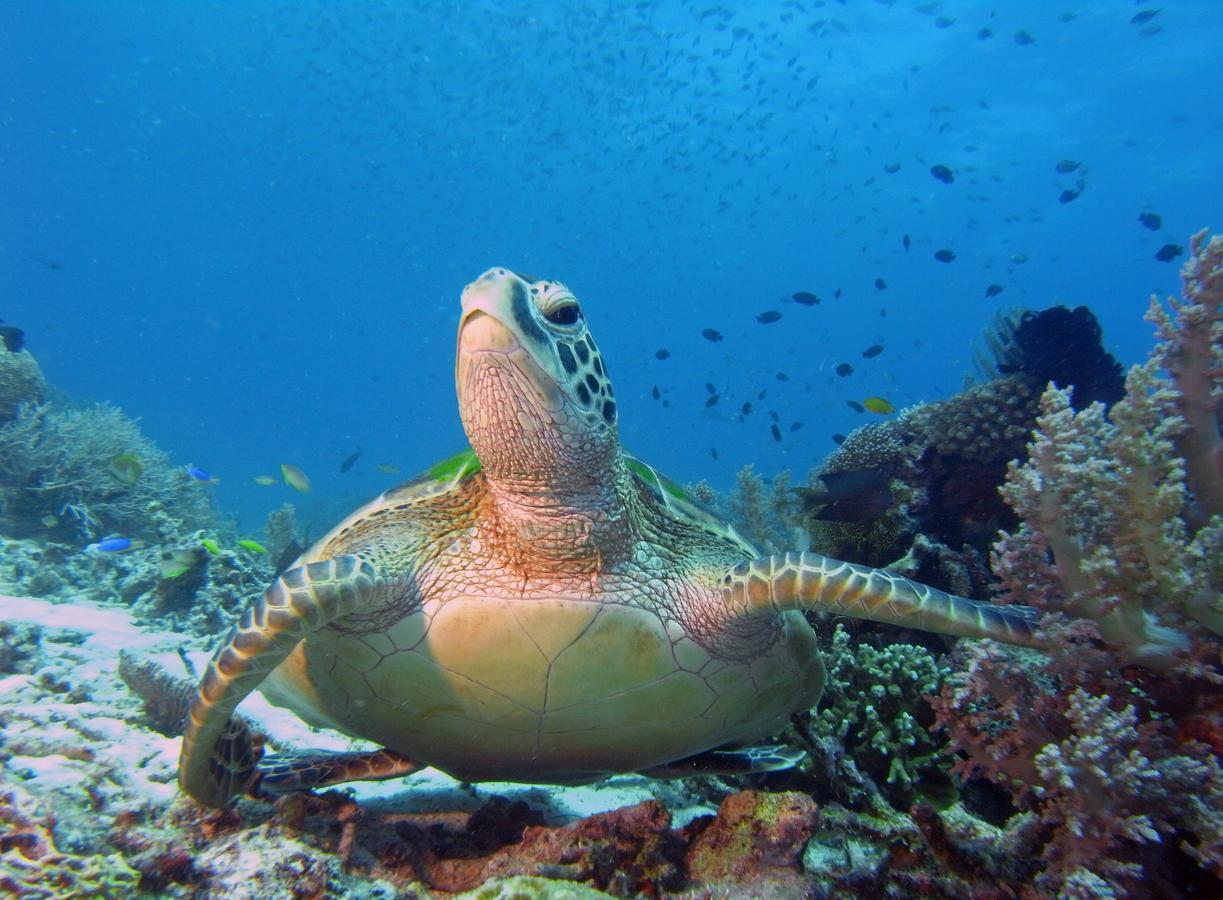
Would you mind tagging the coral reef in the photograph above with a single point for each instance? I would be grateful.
(1104, 494)
(31, 866)
(764, 513)
(57, 480)
(21, 382)
(1111, 750)
(871, 735)
(202, 599)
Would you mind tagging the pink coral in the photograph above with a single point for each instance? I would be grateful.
(1112, 746)
(1105, 493)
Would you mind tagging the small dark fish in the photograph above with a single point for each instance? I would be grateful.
(776, 432)
(709, 387)
(795, 426)
(782, 376)
(1066, 166)
(993, 290)
(1022, 38)
(656, 393)
(713, 452)
(880, 284)
(838, 439)
(985, 34)
(806, 298)
(837, 294)
(943, 174)
(1145, 16)
(711, 401)
(351, 460)
(892, 168)
(662, 354)
(855, 406)
(13, 337)
(711, 334)
(905, 241)
(844, 370)
(773, 416)
(1169, 252)
(289, 555)
(1068, 196)
(1151, 221)
(944, 255)
(747, 409)
(872, 351)
(857, 496)
(768, 316)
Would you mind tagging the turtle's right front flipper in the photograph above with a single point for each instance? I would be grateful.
(219, 759)
(815, 582)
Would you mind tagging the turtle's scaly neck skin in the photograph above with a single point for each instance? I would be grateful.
(538, 409)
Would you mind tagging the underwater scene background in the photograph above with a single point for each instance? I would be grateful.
(823, 246)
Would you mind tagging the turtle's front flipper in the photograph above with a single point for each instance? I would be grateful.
(308, 769)
(219, 758)
(744, 761)
(812, 581)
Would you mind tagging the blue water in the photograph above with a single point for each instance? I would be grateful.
(248, 224)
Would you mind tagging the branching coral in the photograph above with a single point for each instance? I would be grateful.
(55, 474)
(767, 515)
(873, 709)
(1191, 350)
(21, 382)
(1113, 746)
(1105, 494)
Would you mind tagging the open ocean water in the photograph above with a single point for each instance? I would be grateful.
(248, 223)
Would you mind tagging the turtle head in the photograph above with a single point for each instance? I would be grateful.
(534, 395)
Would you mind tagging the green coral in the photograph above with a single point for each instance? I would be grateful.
(56, 478)
(874, 707)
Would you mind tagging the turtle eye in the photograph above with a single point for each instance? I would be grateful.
(565, 314)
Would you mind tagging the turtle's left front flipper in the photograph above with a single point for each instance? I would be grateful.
(816, 582)
(219, 758)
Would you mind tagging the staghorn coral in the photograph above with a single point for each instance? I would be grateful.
(55, 478)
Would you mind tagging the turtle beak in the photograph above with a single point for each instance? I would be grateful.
(491, 333)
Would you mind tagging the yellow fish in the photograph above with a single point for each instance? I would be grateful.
(387, 468)
(295, 478)
(878, 405)
(264, 480)
(126, 467)
(252, 546)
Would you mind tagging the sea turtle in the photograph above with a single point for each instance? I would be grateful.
(542, 607)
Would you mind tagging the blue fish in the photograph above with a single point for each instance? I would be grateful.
(199, 474)
(114, 545)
